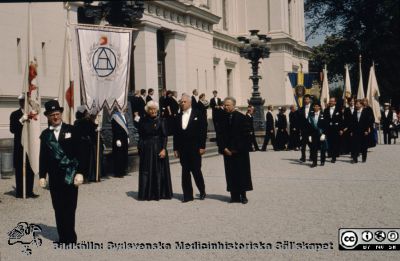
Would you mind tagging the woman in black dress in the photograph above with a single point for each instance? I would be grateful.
(154, 173)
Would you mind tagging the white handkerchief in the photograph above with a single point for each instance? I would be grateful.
(67, 135)
(195, 119)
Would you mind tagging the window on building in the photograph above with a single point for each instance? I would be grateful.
(229, 82)
(224, 15)
(161, 61)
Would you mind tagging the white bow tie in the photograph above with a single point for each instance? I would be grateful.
(57, 128)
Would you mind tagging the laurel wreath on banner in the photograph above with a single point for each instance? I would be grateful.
(93, 48)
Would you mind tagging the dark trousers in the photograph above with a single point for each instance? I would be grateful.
(314, 147)
(19, 180)
(387, 139)
(191, 162)
(333, 143)
(268, 136)
(293, 139)
(303, 143)
(359, 145)
(64, 198)
(253, 142)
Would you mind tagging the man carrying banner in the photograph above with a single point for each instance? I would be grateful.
(59, 157)
(17, 119)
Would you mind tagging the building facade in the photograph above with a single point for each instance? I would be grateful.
(179, 45)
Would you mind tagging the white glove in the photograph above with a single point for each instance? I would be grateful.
(118, 143)
(310, 139)
(322, 138)
(137, 118)
(23, 118)
(98, 129)
(128, 140)
(78, 180)
(42, 182)
(390, 126)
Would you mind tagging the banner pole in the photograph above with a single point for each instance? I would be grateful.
(98, 150)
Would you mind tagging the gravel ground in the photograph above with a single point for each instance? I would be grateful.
(290, 202)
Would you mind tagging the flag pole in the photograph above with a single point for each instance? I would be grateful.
(98, 147)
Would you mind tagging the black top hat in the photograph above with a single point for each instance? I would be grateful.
(52, 106)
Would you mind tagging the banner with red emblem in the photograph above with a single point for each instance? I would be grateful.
(104, 60)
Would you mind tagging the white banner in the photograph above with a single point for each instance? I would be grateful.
(104, 60)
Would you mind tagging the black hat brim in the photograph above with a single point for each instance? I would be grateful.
(61, 109)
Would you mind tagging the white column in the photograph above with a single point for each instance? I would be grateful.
(175, 61)
(146, 75)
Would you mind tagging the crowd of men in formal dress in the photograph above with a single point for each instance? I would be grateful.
(68, 153)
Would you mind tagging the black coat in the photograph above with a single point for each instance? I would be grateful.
(213, 104)
(120, 154)
(348, 117)
(16, 129)
(358, 128)
(334, 122)
(148, 98)
(304, 125)
(269, 122)
(138, 105)
(195, 103)
(70, 144)
(194, 137)
(235, 132)
(386, 121)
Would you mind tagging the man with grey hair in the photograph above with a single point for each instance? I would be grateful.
(233, 144)
(189, 144)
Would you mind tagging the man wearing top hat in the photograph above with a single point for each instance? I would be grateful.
(17, 119)
(120, 142)
(387, 123)
(59, 158)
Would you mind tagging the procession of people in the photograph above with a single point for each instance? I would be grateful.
(68, 153)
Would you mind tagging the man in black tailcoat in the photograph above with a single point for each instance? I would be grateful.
(387, 123)
(233, 145)
(150, 93)
(347, 120)
(269, 129)
(334, 118)
(304, 125)
(17, 119)
(252, 136)
(189, 145)
(317, 136)
(60, 155)
(195, 99)
(360, 129)
(294, 135)
(216, 109)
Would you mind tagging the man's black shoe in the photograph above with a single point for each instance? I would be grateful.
(302, 159)
(33, 195)
(244, 200)
(322, 163)
(202, 196)
(313, 165)
(186, 200)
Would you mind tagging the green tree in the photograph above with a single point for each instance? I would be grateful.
(370, 28)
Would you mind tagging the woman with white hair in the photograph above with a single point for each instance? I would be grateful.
(154, 173)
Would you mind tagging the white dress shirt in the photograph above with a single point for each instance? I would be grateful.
(56, 130)
(386, 113)
(185, 118)
(316, 117)
(307, 109)
(352, 109)
(331, 110)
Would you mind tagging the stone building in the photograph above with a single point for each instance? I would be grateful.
(179, 45)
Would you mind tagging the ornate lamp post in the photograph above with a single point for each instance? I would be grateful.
(255, 48)
(117, 13)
